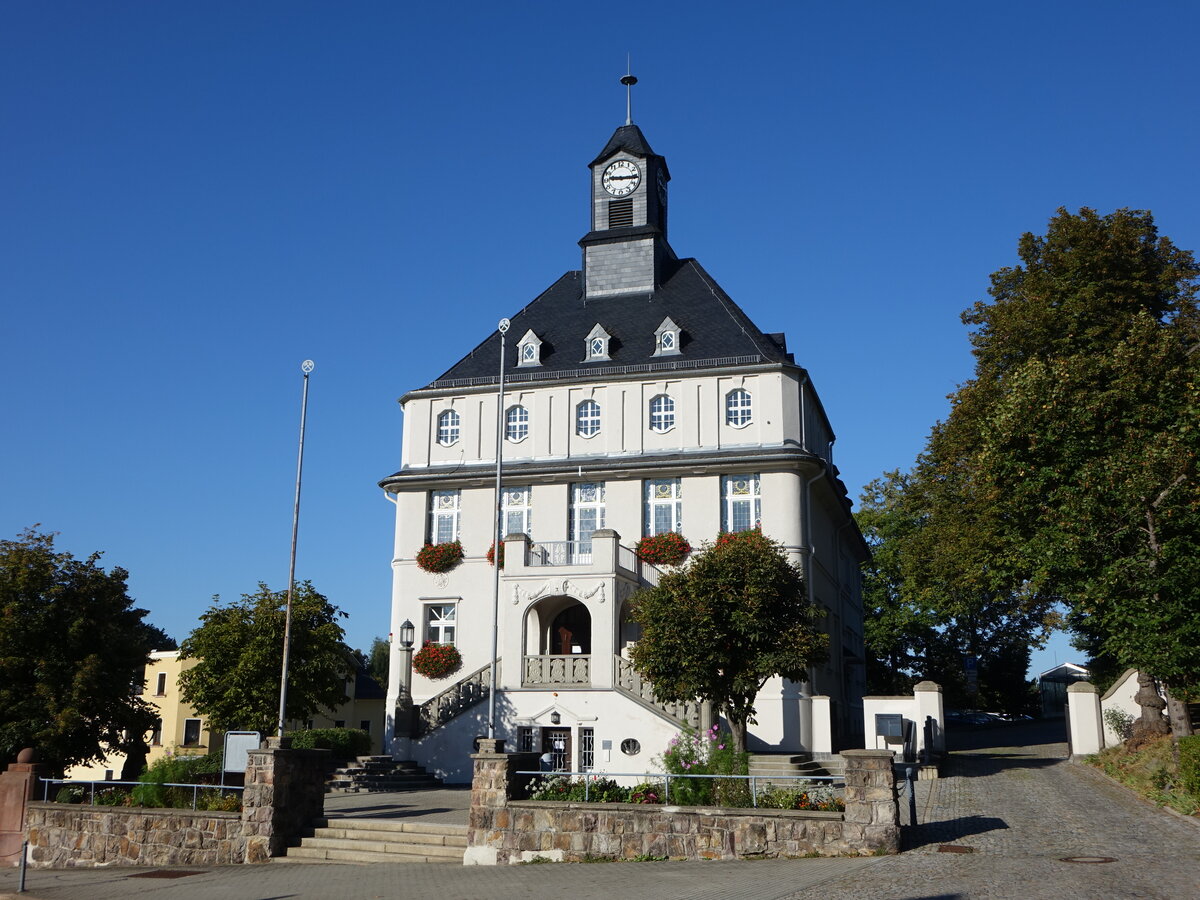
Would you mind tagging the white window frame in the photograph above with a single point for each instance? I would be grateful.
(517, 503)
(445, 508)
(516, 424)
(587, 422)
(578, 506)
(448, 427)
(739, 408)
(435, 629)
(662, 413)
(199, 732)
(660, 494)
(734, 501)
(160, 687)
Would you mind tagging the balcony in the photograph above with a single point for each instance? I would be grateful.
(559, 553)
(555, 671)
(602, 554)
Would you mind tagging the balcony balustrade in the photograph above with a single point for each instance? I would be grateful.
(539, 671)
(560, 553)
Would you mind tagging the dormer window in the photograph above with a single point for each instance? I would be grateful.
(595, 346)
(666, 338)
(529, 350)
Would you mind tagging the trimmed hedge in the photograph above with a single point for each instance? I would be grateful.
(343, 743)
(1189, 763)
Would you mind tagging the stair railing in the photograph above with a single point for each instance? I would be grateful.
(629, 681)
(453, 701)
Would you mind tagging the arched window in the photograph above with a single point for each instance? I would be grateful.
(737, 408)
(662, 413)
(587, 418)
(516, 423)
(447, 428)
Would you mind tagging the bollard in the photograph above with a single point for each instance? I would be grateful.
(912, 795)
(24, 858)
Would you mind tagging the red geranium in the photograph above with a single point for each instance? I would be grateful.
(664, 549)
(437, 660)
(491, 554)
(440, 557)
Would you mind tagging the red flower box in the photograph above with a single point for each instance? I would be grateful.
(666, 549)
(437, 660)
(440, 557)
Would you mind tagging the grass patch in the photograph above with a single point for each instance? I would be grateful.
(1152, 771)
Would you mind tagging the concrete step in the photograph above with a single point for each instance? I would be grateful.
(400, 848)
(334, 832)
(302, 854)
(392, 826)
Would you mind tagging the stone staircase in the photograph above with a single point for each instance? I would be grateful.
(379, 773)
(765, 765)
(350, 840)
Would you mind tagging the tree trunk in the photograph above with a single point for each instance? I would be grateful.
(1177, 712)
(737, 726)
(1152, 722)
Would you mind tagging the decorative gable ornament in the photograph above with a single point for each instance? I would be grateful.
(529, 350)
(595, 345)
(666, 338)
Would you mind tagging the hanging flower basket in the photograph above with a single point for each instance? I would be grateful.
(491, 554)
(666, 549)
(437, 660)
(440, 557)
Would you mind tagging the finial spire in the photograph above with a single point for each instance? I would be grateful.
(629, 81)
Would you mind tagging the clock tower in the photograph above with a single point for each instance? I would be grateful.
(626, 252)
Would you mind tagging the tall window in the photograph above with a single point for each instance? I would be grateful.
(518, 513)
(587, 749)
(737, 408)
(191, 732)
(156, 733)
(664, 507)
(741, 502)
(516, 423)
(587, 418)
(587, 510)
(447, 428)
(443, 516)
(662, 413)
(440, 622)
(160, 689)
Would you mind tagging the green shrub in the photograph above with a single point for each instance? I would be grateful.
(647, 792)
(805, 795)
(1189, 764)
(1120, 722)
(116, 796)
(185, 769)
(71, 794)
(707, 753)
(591, 789)
(343, 743)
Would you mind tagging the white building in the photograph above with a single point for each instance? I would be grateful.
(638, 398)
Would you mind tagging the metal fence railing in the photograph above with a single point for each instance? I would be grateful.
(196, 789)
(830, 782)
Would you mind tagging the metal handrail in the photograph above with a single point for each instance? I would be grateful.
(666, 779)
(196, 788)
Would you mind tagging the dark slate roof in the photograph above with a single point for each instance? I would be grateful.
(628, 138)
(714, 330)
(367, 688)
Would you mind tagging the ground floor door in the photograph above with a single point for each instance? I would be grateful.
(557, 742)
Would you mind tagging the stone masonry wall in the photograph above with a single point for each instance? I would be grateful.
(63, 836)
(504, 831)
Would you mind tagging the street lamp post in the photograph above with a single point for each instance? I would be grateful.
(404, 703)
(498, 522)
(306, 367)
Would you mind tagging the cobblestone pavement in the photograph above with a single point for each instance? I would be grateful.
(1012, 797)
(1008, 794)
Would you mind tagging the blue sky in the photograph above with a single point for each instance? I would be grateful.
(196, 197)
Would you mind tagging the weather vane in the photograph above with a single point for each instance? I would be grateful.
(629, 81)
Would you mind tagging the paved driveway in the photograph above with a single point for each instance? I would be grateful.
(1008, 794)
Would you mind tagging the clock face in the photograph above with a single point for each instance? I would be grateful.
(621, 178)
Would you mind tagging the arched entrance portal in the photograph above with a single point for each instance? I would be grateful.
(558, 643)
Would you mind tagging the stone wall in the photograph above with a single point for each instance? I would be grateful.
(285, 792)
(506, 831)
(64, 836)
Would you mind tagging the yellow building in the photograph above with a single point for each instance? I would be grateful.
(180, 729)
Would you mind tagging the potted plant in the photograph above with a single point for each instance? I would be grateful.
(491, 554)
(437, 660)
(440, 557)
(666, 549)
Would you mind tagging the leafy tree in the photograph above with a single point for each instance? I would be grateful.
(73, 648)
(717, 630)
(1066, 471)
(924, 614)
(239, 651)
(378, 660)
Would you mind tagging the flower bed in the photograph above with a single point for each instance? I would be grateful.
(666, 549)
(437, 660)
(440, 557)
